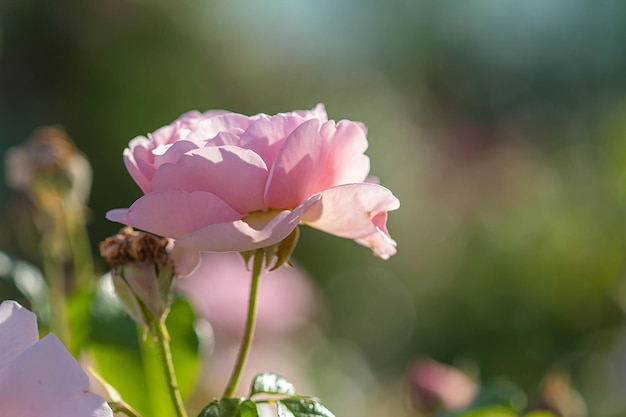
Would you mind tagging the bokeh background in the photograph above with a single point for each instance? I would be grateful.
(501, 127)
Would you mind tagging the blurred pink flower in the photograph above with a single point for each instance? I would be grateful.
(437, 386)
(39, 378)
(219, 290)
(221, 181)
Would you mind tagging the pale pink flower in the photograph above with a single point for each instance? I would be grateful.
(439, 386)
(221, 181)
(39, 378)
(219, 290)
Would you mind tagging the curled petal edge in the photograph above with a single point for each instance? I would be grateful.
(239, 236)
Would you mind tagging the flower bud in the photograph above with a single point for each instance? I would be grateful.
(143, 273)
(49, 164)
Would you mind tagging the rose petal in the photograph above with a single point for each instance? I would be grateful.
(173, 152)
(266, 134)
(131, 156)
(240, 236)
(352, 211)
(185, 260)
(209, 128)
(46, 381)
(316, 157)
(174, 213)
(235, 175)
(382, 244)
(18, 330)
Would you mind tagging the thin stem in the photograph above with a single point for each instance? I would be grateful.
(55, 276)
(246, 342)
(163, 341)
(81, 251)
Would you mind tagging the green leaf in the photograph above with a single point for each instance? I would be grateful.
(269, 383)
(500, 393)
(78, 306)
(304, 407)
(541, 413)
(489, 412)
(230, 407)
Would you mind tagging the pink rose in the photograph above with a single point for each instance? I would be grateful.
(39, 378)
(221, 181)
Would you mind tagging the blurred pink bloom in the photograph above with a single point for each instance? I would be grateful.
(39, 378)
(437, 386)
(220, 287)
(221, 181)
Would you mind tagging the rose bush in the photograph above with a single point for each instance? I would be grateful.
(221, 181)
(39, 378)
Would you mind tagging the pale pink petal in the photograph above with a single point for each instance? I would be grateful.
(267, 134)
(174, 213)
(225, 138)
(46, 381)
(318, 112)
(185, 260)
(240, 236)
(18, 330)
(315, 157)
(170, 154)
(381, 243)
(209, 128)
(137, 151)
(237, 176)
(163, 135)
(354, 211)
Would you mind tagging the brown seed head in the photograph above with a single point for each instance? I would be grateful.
(131, 246)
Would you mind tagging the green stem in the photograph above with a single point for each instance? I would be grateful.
(163, 341)
(55, 277)
(81, 254)
(246, 342)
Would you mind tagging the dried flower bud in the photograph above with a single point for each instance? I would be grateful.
(142, 272)
(49, 154)
(560, 397)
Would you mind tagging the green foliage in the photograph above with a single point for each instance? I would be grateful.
(302, 407)
(280, 392)
(270, 383)
(230, 407)
(489, 412)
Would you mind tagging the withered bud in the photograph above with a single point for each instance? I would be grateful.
(559, 396)
(49, 152)
(130, 246)
(142, 272)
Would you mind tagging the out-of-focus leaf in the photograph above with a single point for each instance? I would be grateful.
(500, 393)
(121, 367)
(304, 407)
(541, 413)
(490, 412)
(78, 307)
(269, 383)
(230, 407)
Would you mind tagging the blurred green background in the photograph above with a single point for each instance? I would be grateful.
(501, 127)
